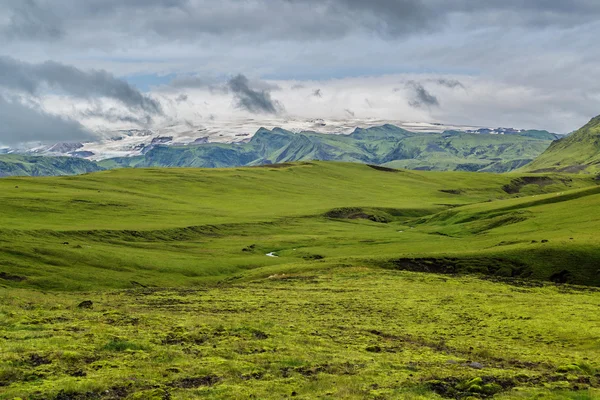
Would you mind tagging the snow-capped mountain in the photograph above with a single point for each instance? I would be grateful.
(133, 142)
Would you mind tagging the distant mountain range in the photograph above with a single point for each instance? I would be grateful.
(487, 150)
(22, 165)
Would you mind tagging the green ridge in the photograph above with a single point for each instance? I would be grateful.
(578, 152)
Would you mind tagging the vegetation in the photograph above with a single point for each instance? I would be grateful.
(346, 332)
(578, 152)
(299, 280)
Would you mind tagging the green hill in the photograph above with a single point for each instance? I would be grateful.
(20, 165)
(578, 152)
(172, 227)
(386, 145)
(306, 280)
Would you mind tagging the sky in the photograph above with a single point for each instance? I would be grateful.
(73, 70)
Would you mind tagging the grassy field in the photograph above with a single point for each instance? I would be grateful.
(302, 280)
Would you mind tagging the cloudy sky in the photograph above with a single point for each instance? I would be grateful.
(70, 69)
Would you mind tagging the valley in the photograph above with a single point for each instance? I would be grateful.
(384, 284)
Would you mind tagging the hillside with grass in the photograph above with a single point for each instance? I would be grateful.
(578, 152)
(309, 279)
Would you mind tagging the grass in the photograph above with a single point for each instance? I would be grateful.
(350, 332)
(186, 303)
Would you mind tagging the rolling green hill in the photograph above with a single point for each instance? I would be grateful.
(125, 225)
(20, 165)
(306, 280)
(578, 152)
(385, 145)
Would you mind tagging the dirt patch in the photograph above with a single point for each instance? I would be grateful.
(12, 278)
(86, 304)
(360, 213)
(451, 266)
(563, 276)
(346, 368)
(516, 185)
(573, 169)
(382, 169)
(35, 360)
(451, 191)
(193, 383)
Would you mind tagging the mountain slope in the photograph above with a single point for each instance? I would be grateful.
(385, 145)
(19, 165)
(577, 152)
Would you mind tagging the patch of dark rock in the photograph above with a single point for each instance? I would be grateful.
(87, 304)
(193, 383)
(382, 169)
(475, 365)
(12, 278)
(545, 241)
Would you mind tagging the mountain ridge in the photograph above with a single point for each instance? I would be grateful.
(387, 145)
(576, 153)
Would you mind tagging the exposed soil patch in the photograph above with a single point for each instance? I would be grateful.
(360, 213)
(383, 169)
(86, 304)
(488, 266)
(516, 185)
(12, 278)
(35, 360)
(192, 383)
(451, 191)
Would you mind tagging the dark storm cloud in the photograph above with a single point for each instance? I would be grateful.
(421, 96)
(250, 99)
(184, 20)
(21, 124)
(35, 78)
